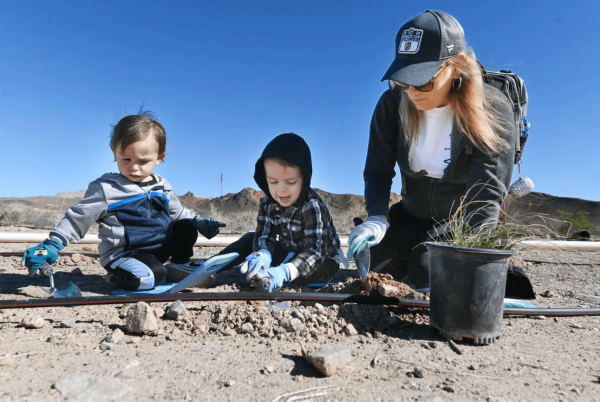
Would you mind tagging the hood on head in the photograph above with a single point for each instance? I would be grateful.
(293, 149)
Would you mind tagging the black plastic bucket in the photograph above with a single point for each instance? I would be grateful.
(467, 288)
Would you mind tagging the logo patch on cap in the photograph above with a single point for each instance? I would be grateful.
(410, 41)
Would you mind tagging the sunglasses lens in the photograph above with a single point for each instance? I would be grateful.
(425, 88)
(422, 88)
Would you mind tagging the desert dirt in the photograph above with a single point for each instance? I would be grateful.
(212, 356)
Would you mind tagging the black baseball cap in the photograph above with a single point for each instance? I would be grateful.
(423, 43)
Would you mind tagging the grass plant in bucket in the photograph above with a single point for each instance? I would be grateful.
(467, 275)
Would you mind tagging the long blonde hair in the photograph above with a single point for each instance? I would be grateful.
(470, 105)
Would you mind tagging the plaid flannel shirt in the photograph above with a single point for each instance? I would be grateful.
(308, 231)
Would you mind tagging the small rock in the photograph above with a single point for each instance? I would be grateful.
(426, 345)
(269, 369)
(292, 325)
(277, 314)
(330, 360)
(106, 345)
(472, 367)
(87, 330)
(298, 314)
(246, 328)
(141, 319)
(32, 321)
(547, 293)
(448, 388)
(77, 272)
(350, 330)
(375, 361)
(419, 372)
(555, 319)
(320, 309)
(538, 317)
(433, 344)
(388, 290)
(67, 323)
(227, 383)
(177, 310)
(576, 326)
(116, 336)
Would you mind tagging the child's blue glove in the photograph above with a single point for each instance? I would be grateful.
(44, 253)
(370, 232)
(208, 227)
(278, 275)
(255, 262)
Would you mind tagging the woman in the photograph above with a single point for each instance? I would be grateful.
(452, 136)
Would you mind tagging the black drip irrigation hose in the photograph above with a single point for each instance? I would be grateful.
(277, 296)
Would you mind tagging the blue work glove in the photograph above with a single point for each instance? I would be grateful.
(44, 253)
(368, 233)
(277, 275)
(255, 262)
(208, 227)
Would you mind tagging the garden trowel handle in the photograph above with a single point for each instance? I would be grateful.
(46, 269)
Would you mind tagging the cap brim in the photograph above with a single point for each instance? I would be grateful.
(412, 73)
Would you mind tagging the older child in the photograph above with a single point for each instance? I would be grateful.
(295, 239)
(141, 221)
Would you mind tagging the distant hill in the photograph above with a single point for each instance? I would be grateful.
(248, 199)
(533, 208)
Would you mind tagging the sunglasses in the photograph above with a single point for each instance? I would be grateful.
(421, 88)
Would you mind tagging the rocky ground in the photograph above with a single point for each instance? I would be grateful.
(257, 351)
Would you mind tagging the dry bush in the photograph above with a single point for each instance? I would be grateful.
(24, 215)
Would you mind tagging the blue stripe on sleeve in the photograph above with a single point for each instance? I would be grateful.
(126, 201)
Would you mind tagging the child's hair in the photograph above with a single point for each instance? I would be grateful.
(136, 127)
(282, 162)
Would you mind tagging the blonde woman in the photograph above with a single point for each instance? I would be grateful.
(451, 136)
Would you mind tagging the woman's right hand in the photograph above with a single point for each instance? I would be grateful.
(368, 233)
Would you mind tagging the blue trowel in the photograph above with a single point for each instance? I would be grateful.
(203, 270)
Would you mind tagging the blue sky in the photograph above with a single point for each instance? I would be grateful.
(225, 77)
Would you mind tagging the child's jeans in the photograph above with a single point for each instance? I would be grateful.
(324, 273)
(142, 270)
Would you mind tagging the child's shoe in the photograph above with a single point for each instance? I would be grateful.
(178, 272)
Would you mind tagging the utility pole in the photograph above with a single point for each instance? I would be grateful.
(221, 192)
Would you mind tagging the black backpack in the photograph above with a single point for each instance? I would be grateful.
(513, 87)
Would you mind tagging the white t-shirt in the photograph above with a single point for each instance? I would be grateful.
(431, 150)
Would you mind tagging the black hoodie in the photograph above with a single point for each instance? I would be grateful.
(305, 227)
(293, 149)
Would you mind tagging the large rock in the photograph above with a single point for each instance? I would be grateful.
(141, 319)
(330, 360)
(84, 388)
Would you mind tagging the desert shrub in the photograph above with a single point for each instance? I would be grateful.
(576, 221)
(9, 218)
